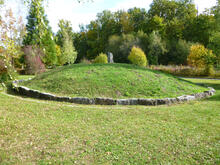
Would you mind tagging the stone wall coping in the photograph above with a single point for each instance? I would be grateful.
(22, 90)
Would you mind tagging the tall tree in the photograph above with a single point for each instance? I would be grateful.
(64, 39)
(175, 13)
(11, 30)
(157, 48)
(69, 54)
(64, 27)
(39, 32)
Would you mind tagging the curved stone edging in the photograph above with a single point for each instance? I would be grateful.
(109, 101)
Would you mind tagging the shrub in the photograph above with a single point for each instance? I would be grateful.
(85, 61)
(137, 57)
(7, 71)
(200, 56)
(101, 59)
(33, 62)
(186, 71)
(209, 70)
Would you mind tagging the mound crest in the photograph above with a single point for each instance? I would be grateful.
(112, 81)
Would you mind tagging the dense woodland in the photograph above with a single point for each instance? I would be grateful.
(170, 32)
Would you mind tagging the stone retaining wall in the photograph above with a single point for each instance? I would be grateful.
(108, 101)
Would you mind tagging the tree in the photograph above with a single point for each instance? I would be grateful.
(69, 53)
(39, 33)
(138, 18)
(156, 47)
(80, 42)
(214, 44)
(11, 32)
(200, 56)
(121, 46)
(64, 26)
(201, 29)
(175, 13)
(157, 23)
(178, 51)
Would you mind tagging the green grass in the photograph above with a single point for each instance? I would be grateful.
(25, 77)
(111, 80)
(45, 132)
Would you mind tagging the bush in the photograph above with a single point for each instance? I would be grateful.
(33, 62)
(209, 70)
(101, 59)
(7, 71)
(85, 61)
(137, 57)
(200, 57)
(186, 71)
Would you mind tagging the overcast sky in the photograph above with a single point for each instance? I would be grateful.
(83, 13)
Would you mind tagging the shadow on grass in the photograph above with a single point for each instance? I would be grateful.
(9, 90)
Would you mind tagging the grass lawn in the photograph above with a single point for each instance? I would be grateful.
(111, 80)
(46, 132)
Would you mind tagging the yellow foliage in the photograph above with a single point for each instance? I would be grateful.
(101, 59)
(200, 57)
(137, 57)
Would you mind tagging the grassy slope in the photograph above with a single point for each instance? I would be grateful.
(43, 132)
(111, 80)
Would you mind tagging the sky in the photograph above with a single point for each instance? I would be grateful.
(83, 13)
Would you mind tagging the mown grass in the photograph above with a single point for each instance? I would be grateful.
(41, 132)
(111, 80)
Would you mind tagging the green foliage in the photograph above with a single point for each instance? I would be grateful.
(137, 57)
(174, 20)
(121, 46)
(214, 45)
(209, 70)
(64, 27)
(156, 47)
(156, 23)
(200, 56)
(201, 29)
(101, 59)
(58, 53)
(39, 33)
(69, 53)
(178, 52)
(85, 61)
(37, 25)
(50, 57)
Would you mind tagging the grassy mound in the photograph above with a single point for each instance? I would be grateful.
(111, 80)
